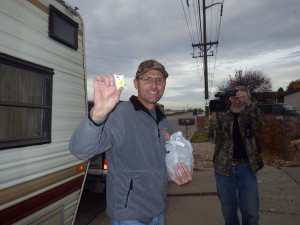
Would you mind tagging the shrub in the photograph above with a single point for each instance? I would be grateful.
(275, 136)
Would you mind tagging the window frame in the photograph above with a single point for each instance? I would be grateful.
(54, 12)
(46, 105)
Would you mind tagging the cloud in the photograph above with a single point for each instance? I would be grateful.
(254, 35)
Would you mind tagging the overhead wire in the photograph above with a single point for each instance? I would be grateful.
(200, 38)
(191, 26)
(217, 32)
(196, 32)
(200, 21)
(190, 33)
(197, 21)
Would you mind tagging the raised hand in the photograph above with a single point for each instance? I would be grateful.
(243, 97)
(106, 96)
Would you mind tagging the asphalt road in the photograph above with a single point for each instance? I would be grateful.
(91, 205)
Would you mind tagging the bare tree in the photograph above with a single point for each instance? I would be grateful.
(255, 80)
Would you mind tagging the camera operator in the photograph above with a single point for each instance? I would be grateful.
(237, 157)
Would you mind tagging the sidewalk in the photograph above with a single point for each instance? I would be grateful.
(197, 202)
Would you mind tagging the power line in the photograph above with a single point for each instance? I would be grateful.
(197, 30)
(191, 36)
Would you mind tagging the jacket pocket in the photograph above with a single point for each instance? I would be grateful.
(130, 188)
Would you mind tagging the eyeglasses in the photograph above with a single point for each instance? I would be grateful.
(148, 80)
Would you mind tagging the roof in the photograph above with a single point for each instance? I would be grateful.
(291, 92)
(275, 96)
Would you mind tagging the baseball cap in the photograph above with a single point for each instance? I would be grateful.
(148, 65)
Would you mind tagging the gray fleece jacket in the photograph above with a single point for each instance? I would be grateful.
(135, 149)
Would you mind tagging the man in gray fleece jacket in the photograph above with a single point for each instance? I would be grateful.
(133, 134)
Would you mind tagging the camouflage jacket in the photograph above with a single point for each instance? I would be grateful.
(220, 132)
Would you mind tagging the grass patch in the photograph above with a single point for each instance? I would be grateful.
(199, 137)
(176, 114)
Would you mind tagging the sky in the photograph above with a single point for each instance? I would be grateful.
(252, 35)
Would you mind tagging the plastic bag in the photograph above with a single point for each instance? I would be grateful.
(179, 150)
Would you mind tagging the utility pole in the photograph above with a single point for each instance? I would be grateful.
(205, 52)
(205, 48)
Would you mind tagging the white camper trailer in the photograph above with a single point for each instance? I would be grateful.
(42, 99)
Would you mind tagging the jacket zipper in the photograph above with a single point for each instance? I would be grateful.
(158, 130)
(129, 189)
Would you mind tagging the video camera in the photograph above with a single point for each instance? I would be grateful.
(222, 104)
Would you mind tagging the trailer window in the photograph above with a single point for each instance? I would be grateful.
(62, 28)
(25, 103)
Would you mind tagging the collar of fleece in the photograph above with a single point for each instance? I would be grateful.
(139, 106)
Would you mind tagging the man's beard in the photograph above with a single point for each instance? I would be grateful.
(237, 109)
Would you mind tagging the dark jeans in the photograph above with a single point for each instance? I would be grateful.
(238, 190)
